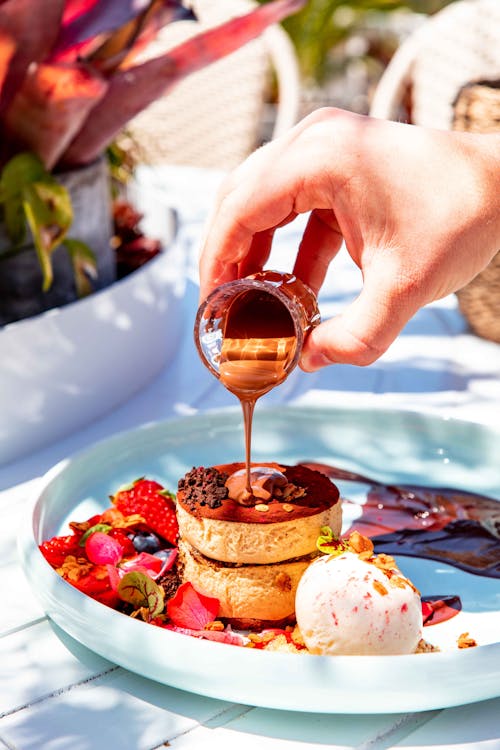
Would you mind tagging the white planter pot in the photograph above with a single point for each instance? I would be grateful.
(64, 368)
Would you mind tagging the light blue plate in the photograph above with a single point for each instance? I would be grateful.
(391, 446)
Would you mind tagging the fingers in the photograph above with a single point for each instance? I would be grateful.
(258, 254)
(320, 244)
(363, 331)
(252, 203)
(278, 181)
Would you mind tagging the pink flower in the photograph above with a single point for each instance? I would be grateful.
(190, 609)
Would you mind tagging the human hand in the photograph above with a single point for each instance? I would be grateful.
(418, 209)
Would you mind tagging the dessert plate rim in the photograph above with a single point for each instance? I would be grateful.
(448, 450)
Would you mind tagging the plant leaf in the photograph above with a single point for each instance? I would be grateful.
(48, 211)
(84, 265)
(141, 591)
(7, 50)
(51, 107)
(125, 43)
(20, 171)
(133, 89)
(116, 18)
(34, 38)
(75, 8)
(96, 18)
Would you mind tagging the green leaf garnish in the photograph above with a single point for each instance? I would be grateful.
(330, 544)
(104, 527)
(140, 590)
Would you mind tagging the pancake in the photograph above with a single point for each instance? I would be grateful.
(250, 596)
(283, 527)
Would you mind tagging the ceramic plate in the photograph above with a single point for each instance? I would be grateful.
(390, 446)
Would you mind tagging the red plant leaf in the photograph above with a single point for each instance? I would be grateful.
(75, 8)
(122, 47)
(190, 609)
(92, 19)
(133, 89)
(7, 49)
(98, 31)
(51, 107)
(34, 25)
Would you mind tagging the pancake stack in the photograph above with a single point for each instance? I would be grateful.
(251, 557)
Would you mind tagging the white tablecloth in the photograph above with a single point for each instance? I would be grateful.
(58, 696)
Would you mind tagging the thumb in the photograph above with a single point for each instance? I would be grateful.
(362, 332)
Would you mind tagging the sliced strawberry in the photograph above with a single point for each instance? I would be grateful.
(98, 588)
(55, 550)
(145, 497)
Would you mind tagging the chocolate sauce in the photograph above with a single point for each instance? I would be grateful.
(264, 481)
(451, 526)
(249, 334)
(259, 344)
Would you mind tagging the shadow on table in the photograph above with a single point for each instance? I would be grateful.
(116, 706)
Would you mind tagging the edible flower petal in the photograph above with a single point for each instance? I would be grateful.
(221, 636)
(190, 609)
(145, 562)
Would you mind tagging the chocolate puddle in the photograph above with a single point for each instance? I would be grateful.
(447, 525)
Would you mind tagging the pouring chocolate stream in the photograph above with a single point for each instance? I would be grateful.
(250, 334)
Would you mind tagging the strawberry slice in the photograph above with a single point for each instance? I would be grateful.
(151, 501)
(56, 549)
(97, 587)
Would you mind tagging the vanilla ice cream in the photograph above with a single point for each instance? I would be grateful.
(349, 605)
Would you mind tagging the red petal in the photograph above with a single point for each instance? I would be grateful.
(143, 562)
(190, 609)
(222, 636)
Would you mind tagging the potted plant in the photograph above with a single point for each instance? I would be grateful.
(70, 80)
(68, 84)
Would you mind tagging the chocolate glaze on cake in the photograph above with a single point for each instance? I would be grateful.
(202, 492)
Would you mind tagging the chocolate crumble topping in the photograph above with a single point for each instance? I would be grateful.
(204, 487)
(170, 582)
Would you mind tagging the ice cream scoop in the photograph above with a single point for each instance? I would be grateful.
(349, 605)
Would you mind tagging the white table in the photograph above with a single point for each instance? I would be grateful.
(57, 695)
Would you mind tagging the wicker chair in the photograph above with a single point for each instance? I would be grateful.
(447, 75)
(214, 117)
